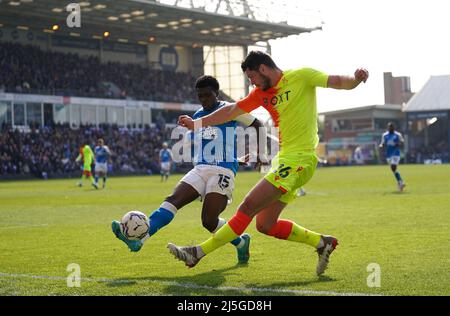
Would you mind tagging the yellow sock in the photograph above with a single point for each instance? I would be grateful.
(223, 236)
(301, 234)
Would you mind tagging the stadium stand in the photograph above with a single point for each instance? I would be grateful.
(51, 151)
(28, 69)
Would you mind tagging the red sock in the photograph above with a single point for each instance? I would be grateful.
(239, 222)
(281, 230)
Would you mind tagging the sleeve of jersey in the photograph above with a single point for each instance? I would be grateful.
(314, 77)
(250, 102)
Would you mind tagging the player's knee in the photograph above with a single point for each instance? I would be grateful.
(263, 227)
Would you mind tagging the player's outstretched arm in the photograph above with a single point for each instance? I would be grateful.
(348, 82)
(222, 115)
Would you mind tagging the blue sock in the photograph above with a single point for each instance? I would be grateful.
(96, 179)
(397, 176)
(158, 219)
(236, 242)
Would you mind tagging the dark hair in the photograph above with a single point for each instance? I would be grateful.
(255, 59)
(207, 81)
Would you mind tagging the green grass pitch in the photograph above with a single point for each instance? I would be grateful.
(47, 225)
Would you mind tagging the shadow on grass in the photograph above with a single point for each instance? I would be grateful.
(313, 280)
(397, 193)
(211, 283)
(187, 285)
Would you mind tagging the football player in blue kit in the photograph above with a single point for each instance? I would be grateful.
(102, 154)
(211, 179)
(391, 142)
(165, 161)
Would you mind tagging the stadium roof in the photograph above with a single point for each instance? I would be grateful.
(147, 20)
(434, 96)
(392, 107)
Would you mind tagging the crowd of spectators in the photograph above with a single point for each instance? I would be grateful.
(51, 151)
(29, 69)
(438, 152)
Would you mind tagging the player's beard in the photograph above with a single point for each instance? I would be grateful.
(266, 82)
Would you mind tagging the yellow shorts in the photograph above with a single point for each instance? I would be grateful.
(289, 172)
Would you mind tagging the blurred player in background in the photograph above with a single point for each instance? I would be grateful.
(290, 98)
(87, 157)
(391, 142)
(102, 155)
(358, 156)
(165, 161)
(212, 180)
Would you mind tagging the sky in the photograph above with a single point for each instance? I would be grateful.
(405, 37)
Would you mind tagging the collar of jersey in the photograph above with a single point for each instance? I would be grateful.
(216, 105)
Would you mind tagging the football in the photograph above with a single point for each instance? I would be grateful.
(134, 225)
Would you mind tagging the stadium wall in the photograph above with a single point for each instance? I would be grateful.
(24, 37)
(111, 56)
(41, 109)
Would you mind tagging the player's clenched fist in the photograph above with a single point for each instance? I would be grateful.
(186, 121)
(361, 74)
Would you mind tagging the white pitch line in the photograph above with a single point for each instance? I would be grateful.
(191, 285)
